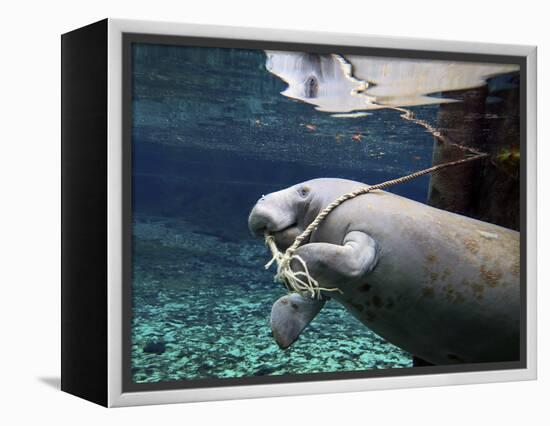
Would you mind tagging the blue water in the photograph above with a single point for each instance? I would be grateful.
(211, 134)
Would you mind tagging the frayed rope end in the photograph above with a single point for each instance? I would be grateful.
(300, 282)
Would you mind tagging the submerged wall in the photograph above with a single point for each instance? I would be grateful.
(487, 119)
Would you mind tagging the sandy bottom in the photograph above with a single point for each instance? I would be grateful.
(201, 306)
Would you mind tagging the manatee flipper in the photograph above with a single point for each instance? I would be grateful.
(330, 263)
(290, 314)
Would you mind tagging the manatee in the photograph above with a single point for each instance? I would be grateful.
(442, 286)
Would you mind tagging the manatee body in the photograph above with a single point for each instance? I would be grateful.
(441, 286)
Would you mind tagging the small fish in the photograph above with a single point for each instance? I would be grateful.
(311, 127)
(356, 138)
(416, 157)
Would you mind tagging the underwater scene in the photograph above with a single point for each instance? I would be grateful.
(218, 134)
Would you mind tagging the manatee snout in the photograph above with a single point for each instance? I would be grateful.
(260, 221)
(280, 225)
(271, 214)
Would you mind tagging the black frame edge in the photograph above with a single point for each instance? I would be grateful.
(129, 38)
(84, 212)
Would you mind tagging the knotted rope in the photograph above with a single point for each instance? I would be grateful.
(301, 281)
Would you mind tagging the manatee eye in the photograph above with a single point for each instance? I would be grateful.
(304, 191)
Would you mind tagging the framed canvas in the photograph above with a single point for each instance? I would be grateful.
(251, 212)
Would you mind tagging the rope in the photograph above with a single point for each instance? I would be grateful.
(409, 116)
(302, 281)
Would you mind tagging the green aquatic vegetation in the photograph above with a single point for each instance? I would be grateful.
(509, 155)
(508, 159)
